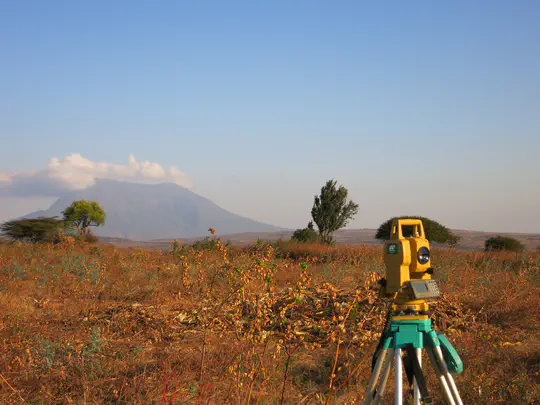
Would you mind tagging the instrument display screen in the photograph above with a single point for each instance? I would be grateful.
(422, 289)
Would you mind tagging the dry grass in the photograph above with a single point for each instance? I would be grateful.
(269, 325)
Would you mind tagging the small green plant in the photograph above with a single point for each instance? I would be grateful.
(14, 271)
(46, 351)
(83, 267)
(175, 248)
(95, 343)
(96, 251)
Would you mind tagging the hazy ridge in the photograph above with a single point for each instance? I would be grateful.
(470, 240)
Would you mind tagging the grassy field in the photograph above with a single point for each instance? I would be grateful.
(281, 324)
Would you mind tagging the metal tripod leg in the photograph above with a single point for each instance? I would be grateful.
(399, 378)
(375, 376)
(416, 389)
(416, 376)
(437, 368)
(387, 365)
(444, 368)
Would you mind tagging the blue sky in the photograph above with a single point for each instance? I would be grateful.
(425, 108)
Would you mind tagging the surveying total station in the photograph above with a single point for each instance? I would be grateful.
(408, 329)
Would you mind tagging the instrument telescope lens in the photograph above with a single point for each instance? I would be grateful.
(423, 255)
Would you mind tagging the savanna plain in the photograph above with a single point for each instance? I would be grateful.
(268, 323)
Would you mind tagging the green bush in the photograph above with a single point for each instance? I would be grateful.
(435, 232)
(305, 235)
(503, 243)
(206, 244)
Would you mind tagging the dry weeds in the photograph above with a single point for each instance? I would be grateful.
(282, 324)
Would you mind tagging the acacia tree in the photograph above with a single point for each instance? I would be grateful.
(35, 230)
(82, 214)
(331, 210)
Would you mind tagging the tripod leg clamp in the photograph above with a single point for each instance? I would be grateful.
(451, 357)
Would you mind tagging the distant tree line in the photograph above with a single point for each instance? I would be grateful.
(77, 219)
(332, 211)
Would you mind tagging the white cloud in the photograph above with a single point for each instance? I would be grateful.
(5, 178)
(75, 172)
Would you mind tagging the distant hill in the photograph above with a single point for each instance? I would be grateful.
(151, 211)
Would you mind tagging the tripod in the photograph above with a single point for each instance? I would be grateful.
(402, 341)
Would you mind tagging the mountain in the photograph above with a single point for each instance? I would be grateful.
(155, 211)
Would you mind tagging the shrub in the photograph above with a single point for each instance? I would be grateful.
(305, 235)
(500, 243)
(207, 243)
(435, 232)
(89, 237)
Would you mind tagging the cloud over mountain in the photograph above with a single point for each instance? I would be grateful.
(75, 172)
(153, 211)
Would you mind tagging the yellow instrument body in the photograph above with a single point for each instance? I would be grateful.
(401, 257)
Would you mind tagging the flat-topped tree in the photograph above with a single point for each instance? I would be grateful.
(35, 230)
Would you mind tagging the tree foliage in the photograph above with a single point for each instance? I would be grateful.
(83, 214)
(331, 210)
(499, 243)
(435, 232)
(305, 235)
(35, 230)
